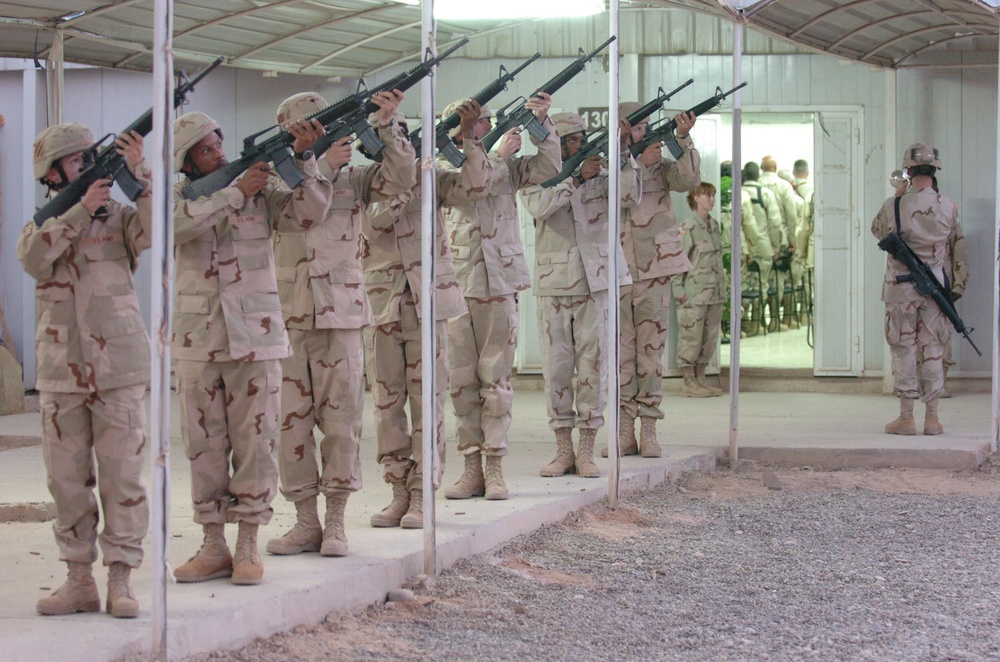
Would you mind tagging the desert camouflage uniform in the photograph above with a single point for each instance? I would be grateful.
(571, 283)
(771, 235)
(393, 273)
(228, 339)
(912, 322)
(704, 286)
(325, 307)
(490, 267)
(651, 240)
(957, 270)
(93, 369)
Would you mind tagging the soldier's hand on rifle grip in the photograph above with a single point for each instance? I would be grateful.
(510, 143)
(539, 105)
(590, 168)
(97, 196)
(339, 153)
(387, 102)
(130, 146)
(254, 180)
(305, 134)
(651, 154)
(685, 121)
(469, 112)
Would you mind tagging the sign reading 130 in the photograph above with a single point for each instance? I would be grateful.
(594, 118)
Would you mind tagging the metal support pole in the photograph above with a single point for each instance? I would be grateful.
(428, 327)
(995, 432)
(161, 297)
(736, 302)
(614, 222)
(55, 80)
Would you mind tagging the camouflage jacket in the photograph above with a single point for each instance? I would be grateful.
(957, 264)
(392, 258)
(705, 282)
(770, 229)
(227, 307)
(486, 235)
(651, 237)
(320, 277)
(927, 219)
(788, 202)
(89, 335)
(571, 233)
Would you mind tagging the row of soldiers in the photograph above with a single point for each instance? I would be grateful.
(287, 299)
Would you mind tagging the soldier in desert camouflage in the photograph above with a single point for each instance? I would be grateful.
(325, 307)
(93, 368)
(490, 266)
(393, 347)
(228, 338)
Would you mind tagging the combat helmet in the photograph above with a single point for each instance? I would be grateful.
(568, 123)
(299, 106)
(484, 113)
(921, 154)
(189, 129)
(58, 141)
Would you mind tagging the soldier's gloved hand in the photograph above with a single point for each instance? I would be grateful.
(510, 143)
(339, 153)
(254, 180)
(97, 196)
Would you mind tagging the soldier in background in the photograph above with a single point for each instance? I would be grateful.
(228, 338)
(571, 283)
(788, 207)
(700, 293)
(393, 347)
(914, 324)
(491, 269)
(325, 307)
(93, 368)
(771, 237)
(651, 241)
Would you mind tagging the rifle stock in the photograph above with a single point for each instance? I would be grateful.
(109, 164)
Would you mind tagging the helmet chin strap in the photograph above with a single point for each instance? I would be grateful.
(63, 179)
(193, 172)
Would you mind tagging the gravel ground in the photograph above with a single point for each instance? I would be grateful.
(849, 565)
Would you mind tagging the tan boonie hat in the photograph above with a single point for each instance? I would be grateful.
(484, 114)
(568, 123)
(189, 129)
(921, 154)
(58, 141)
(298, 106)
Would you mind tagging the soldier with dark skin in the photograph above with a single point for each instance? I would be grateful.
(93, 369)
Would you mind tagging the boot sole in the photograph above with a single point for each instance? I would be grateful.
(123, 612)
(497, 496)
(277, 550)
(340, 551)
(385, 523)
(219, 574)
(246, 581)
(464, 495)
(553, 474)
(412, 525)
(85, 608)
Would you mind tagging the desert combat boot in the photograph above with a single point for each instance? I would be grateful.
(414, 517)
(121, 600)
(932, 425)
(305, 536)
(77, 594)
(247, 567)
(212, 561)
(472, 482)
(585, 465)
(565, 460)
(334, 537)
(648, 446)
(627, 444)
(699, 375)
(496, 488)
(904, 424)
(392, 514)
(692, 387)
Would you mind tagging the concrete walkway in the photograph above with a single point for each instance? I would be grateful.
(819, 430)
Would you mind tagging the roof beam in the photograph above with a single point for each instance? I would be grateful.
(232, 15)
(360, 43)
(915, 33)
(819, 18)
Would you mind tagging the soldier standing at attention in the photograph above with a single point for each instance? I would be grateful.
(325, 307)
(491, 269)
(228, 338)
(651, 239)
(788, 208)
(700, 293)
(93, 368)
(915, 323)
(571, 283)
(393, 347)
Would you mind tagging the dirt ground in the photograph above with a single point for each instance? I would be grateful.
(495, 602)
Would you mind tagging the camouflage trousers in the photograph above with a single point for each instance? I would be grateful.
(108, 426)
(699, 333)
(393, 360)
(643, 333)
(917, 327)
(229, 415)
(574, 330)
(322, 385)
(481, 346)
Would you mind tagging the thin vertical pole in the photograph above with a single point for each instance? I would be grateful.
(736, 289)
(161, 290)
(55, 80)
(614, 290)
(428, 328)
(995, 436)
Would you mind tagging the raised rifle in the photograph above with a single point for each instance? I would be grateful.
(924, 280)
(597, 142)
(663, 132)
(444, 143)
(521, 116)
(108, 163)
(349, 116)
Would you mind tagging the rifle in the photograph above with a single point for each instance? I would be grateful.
(108, 163)
(924, 280)
(521, 116)
(442, 140)
(597, 142)
(664, 131)
(347, 117)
